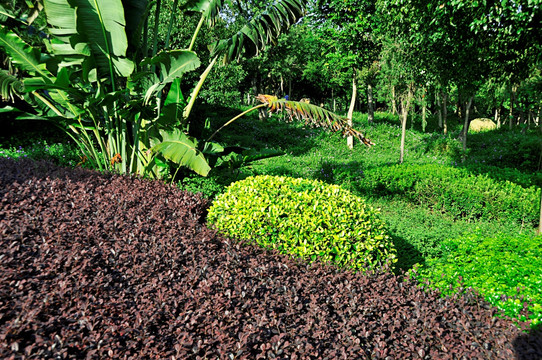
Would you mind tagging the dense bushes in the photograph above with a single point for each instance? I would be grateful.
(507, 270)
(97, 266)
(456, 191)
(306, 218)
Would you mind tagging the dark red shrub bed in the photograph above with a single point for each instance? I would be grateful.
(102, 266)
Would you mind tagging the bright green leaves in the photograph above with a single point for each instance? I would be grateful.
(181, 149)
(495, 266)
(305, 218)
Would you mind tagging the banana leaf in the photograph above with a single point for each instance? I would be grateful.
(182, 150)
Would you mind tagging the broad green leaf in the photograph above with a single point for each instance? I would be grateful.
(182, 150)
(101, 24)
(175, 95)
(173, 104)
(9, 109)
(174, 63)
(23, 55)
(212, 148)
(61, 17)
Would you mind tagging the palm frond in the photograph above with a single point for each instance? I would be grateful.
(312, 115)
(10, 86)
(260, 31)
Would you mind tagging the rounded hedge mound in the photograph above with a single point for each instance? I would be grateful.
(305, 218)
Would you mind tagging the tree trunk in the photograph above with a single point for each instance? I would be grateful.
(445, 112)
(405, 105)
(458, 106)
(290, 89)
(424, 109)
(512, 100)
(539, 230)
(370, 110)
(466, 126)
(393, 103)
(262, 113)
(439, 110)
(350, 139)
(498, 116)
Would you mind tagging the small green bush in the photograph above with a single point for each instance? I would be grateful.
(506, 270)
(456, 191)
(305, 218)
(208, 187)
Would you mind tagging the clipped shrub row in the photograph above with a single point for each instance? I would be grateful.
(305, 218)
(506, 270)
(99, 266)
(456, 191)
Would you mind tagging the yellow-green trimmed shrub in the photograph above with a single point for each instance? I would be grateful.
(305, 218)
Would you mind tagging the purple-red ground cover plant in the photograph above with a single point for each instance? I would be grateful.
(99, 266)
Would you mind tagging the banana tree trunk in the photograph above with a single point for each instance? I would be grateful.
(350, 139)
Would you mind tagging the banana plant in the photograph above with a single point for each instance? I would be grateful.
(124, 109)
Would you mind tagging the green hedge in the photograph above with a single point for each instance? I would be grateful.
(515, 176)
(456, 191)
(494, 266)
(305, 218)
